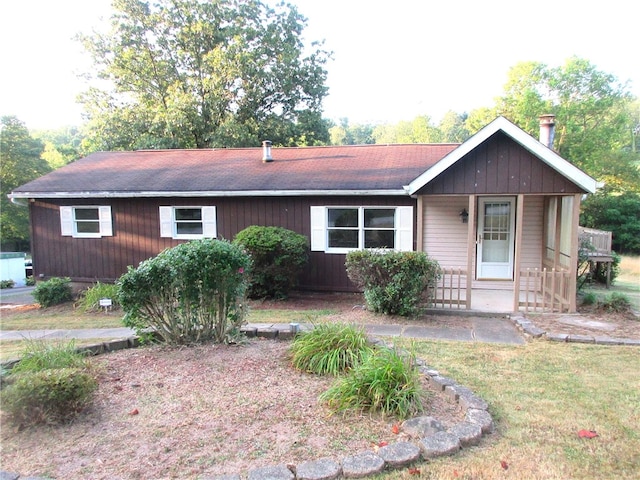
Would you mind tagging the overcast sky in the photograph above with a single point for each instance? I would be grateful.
(393, 60)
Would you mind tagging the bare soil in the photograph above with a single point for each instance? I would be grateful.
(164, 412)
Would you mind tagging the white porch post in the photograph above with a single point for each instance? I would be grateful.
(471, 248)
(573, 261)
(420, 224)
(518, 252)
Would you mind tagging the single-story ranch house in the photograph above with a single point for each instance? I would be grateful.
(499, 212)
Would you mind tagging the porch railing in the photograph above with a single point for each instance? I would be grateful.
(545, 290)
(450, 289)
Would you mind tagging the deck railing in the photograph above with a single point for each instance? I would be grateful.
(545, 290)
(450, 289)
(599, 241)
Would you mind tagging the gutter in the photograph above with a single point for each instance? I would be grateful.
(16, 197)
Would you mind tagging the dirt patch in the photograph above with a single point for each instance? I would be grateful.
(186, 412)
(591, 323)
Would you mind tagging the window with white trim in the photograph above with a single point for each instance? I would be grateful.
(188, 222)
(343, 229)
(86, 221)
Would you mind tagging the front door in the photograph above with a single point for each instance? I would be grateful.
(495, 238)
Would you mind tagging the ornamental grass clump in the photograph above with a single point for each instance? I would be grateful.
(329, 349)
(51, 384)
(192, 293)
(385, 382)
(89, 300)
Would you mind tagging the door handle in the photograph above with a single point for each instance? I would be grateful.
(479, 240)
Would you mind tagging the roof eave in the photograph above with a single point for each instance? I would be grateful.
(211, 193)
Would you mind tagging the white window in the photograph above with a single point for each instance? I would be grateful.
(88, 221)
(188, 222)
(343, 229)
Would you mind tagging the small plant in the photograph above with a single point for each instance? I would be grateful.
(394, 283)
(7, 284)
(53, 292)
(386, 382)
(615, 302)
(51, 384)
(278, 256)
(89, 300)
(47, 396)
(330, 348)
(589, 298)
(39, 355)
(30, 281)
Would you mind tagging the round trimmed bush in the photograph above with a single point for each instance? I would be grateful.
(278, 256)
(54, 291)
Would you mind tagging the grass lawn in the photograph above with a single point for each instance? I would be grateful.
(541, 395)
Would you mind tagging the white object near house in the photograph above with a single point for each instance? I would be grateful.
(12, 268)
(105, 303)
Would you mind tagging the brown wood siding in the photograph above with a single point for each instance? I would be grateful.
(136, 234)
(499, 166)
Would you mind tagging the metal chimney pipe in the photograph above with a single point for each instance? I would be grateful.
(547, 129)
(266, 151)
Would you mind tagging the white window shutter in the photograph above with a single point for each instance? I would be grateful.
(166, 222)
(318, 229)
(404, 229)
(106, 224)
(66, 221)
(209, 226)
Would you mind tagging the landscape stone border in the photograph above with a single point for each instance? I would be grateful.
(530, 329)
(429, 440)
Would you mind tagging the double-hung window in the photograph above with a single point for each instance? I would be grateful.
(342, 229)
(87, 221)
(188, 222)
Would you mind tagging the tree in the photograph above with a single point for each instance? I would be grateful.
(419, 130)
(20, 163)
(197, 74)
(453, 127)
(591, 107)
(619, 214)
(61, 146)
(346, 134)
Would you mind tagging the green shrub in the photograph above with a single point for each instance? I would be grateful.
(30, 281)
(615, 302)
(47, 396)
(7, 284)
(278, 256)
(385, 382)
(589, 298)
(89, 300)
(394, 283)
(190, 293)
(53, 292)
(330, 348)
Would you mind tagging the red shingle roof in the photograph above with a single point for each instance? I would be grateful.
(233, 171)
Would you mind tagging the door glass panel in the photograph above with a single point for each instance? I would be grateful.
(495, 243)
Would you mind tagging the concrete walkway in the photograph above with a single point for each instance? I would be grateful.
(477, 329)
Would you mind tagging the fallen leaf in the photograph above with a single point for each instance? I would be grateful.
(587, 434)
(456, 474)
(414, 471)
(383, 444)
(396, 428)
(504, 465)
(134, 412)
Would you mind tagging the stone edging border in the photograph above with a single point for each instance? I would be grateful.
(477, 422)
(529, 328)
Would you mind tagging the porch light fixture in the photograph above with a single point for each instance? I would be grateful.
(464, 215)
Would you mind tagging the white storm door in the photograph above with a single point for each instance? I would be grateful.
(496, 221)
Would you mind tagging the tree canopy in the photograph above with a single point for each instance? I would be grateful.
(198, 74)
(20, 163)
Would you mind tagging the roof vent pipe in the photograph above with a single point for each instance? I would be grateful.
(547, 129)
(266, 151)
